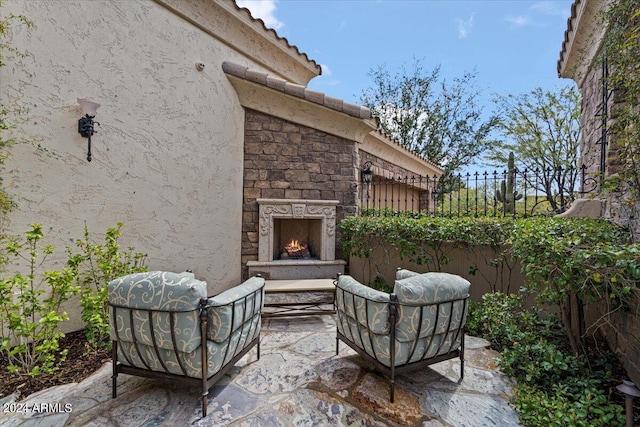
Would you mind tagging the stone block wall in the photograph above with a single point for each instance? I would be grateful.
(284, 160)
(622, 332)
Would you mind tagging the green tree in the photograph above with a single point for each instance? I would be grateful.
(542, 129)
(439, 120)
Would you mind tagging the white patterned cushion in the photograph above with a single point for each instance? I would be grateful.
(430, 288)
(221, 314)
(157, 290)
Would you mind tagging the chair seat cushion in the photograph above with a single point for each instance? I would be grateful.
(189, 363)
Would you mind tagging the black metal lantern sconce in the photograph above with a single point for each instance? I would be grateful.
(366, 174)
(86, 123)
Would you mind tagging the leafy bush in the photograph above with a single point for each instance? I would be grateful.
(30, 308)
(94, 267)
(555, 387)
(501, 319)
(570, 260)
(421, 240)
(586, 407)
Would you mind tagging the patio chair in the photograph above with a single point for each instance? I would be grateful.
(420, 323)
(163, 326)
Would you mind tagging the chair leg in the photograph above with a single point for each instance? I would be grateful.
(461, 367)
(258, 345)
(337, 346)
(114, 374)
(204, 404)
(392, 390)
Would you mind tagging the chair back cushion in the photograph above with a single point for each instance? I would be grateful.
(151, 306)
(402, 273)
(432, 290)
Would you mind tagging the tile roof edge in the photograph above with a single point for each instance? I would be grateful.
(293, 89)
(278, 37)
(565, 42)
(396, 142)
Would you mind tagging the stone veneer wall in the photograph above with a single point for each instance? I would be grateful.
(623, 330)
(623, 336)
(284, 160)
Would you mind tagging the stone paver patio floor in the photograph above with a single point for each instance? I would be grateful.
(298, 381)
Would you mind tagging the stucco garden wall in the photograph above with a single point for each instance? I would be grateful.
(474, 264)
(168, 155)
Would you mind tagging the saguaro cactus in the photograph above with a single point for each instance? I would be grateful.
(506, 194)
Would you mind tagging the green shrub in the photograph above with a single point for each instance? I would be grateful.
(585, 407)
(501, 319)
(554, 387)
(94, 267)
(30, 307)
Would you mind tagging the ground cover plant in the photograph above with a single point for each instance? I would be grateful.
(554, 386)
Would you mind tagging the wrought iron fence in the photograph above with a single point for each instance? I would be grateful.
(538, 192)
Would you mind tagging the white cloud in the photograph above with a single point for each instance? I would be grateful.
(326, 71)
(518, 20)
(262, 9)
(552, 8)
(464, 27)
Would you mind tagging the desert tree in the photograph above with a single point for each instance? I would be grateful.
(438, 119)
(542, 129)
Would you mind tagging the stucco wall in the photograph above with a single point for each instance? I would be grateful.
(474, 264)
(167, 158)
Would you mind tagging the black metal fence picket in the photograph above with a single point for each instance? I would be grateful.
(538, 192)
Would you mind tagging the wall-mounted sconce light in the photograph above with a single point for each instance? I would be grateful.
(86, 123)
(366, 174)
(434, 194)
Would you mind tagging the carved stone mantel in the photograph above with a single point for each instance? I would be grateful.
(270, 209)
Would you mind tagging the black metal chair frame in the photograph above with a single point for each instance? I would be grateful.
(126, 367)
(392, 370)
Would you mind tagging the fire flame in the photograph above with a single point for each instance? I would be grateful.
(295, 245)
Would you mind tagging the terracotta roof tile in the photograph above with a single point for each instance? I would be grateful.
(296, 90)
(569, 30)
(256, 77)
(276, 83)
(279, 38)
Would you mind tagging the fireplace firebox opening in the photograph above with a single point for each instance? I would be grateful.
(297, 238)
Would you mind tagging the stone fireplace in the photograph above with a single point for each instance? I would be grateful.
(296, 240)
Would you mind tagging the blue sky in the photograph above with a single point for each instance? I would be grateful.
(513, 45)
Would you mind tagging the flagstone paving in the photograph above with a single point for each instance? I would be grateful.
(298, 381)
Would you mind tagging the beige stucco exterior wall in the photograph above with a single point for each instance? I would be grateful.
(167, 158)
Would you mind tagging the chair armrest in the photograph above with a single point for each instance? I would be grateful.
(367, 306)
(233, 308)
